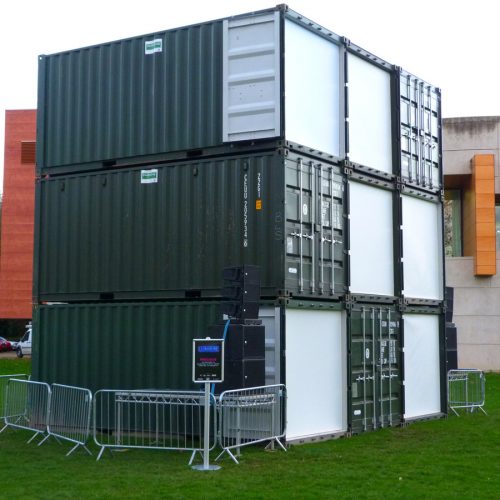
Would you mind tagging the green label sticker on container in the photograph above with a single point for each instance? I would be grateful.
(152, 46)
(149, 176)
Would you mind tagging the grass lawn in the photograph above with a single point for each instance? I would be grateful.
(458, 457)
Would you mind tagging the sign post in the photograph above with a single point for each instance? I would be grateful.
(208, 368)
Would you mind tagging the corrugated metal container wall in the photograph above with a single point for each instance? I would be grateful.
(375, 367)
(127, 345)
(118, 235)
(123, 99)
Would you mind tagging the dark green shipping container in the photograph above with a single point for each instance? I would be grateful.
(115, 346)
(205, 88)
(167, 231)
(123, 100)
(192, 91)
(375, 367)
(145, 345)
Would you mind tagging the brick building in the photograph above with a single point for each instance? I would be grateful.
(18, 203)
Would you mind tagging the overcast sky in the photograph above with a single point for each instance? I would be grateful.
(452, 44)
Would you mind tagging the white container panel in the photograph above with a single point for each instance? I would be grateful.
(421, 365)
(312, 89)
(369, 104)
(315, 373)
(251, 78)
(422, 249)
(371, 240)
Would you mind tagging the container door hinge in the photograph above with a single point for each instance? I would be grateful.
(350, 301)
(348, 167)
(402, 304)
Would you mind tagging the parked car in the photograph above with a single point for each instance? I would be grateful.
(24, 345)
(5, 345)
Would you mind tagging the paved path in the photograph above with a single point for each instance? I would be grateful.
(8, 354)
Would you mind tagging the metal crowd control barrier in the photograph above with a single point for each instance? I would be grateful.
(70, 413)
(27, 406)
(150, 419)
(250, 416)
(4, 379)
(466, 389)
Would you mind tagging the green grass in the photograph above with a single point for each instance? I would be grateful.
(16, 365)
(458, 457)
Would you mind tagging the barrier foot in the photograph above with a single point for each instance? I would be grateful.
(100, 454)
(43, 440)
(482, 409)
(270, 446)
(193, 455)
(281, 444)
(34, 436)
(76, 446)
(72, 449)
(229, 453)
(3, 428)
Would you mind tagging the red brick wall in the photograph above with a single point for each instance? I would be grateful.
(18, 208)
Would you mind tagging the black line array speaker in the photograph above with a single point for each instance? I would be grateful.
(449, 303)
(451, 360)
(244, 354)
(451, 336)
(451, 346)
(241, 292)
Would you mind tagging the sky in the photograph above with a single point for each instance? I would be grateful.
(451, 44)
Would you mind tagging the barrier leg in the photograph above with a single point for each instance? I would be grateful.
(194, 455)
(44, 439)
(100, 454)
(225, 450)
(281, 444)
(34, 436)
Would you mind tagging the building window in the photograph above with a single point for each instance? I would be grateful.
(453, 223)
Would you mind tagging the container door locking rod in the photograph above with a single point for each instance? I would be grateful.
(301, 222)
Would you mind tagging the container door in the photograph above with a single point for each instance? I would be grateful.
(420, 111)
(312, 89)
(369, 104)
(375, 395)
(315, 373)
(314, 228)
(422, 249)
(422, 365)
(251, 78)
(371, 240)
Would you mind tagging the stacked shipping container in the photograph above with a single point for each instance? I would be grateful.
(261, 139)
